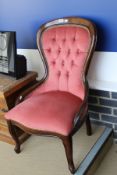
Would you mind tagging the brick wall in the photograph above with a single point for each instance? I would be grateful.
(103, 108)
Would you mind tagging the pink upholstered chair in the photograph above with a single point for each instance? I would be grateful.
(57, 105)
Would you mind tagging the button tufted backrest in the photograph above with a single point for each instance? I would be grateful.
(66, 49)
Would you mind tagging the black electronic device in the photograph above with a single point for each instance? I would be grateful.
(11, 63)
(21, 66)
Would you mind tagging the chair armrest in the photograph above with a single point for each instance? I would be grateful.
(24, 93)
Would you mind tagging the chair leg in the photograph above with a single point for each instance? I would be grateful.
(67, 142)
(15, 137)
(88, 126)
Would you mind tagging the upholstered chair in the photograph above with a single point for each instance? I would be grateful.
(58, 104)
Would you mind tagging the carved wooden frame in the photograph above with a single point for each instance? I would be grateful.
(83, 113)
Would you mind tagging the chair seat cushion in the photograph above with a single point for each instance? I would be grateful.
(53, 111)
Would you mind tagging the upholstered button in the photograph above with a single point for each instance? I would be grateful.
(59, 50)
(49, 50)
(72, 62)
(53, 62)
(77, 51)
(68, 52)
(67, 74)
(53, 39)
(74, 39)
(59, 73)
(63, 63)
(64, 40)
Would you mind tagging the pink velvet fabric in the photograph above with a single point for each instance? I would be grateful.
(53, 105)
(52, 111)
(65, 49)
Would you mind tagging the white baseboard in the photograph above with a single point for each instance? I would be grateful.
(102, 73)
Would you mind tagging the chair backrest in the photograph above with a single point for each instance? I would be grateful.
(66, 46)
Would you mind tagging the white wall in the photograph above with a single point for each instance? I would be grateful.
(102, 72)
(33, 60)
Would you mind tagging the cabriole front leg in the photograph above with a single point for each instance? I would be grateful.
(67, 142)
(14, 136)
